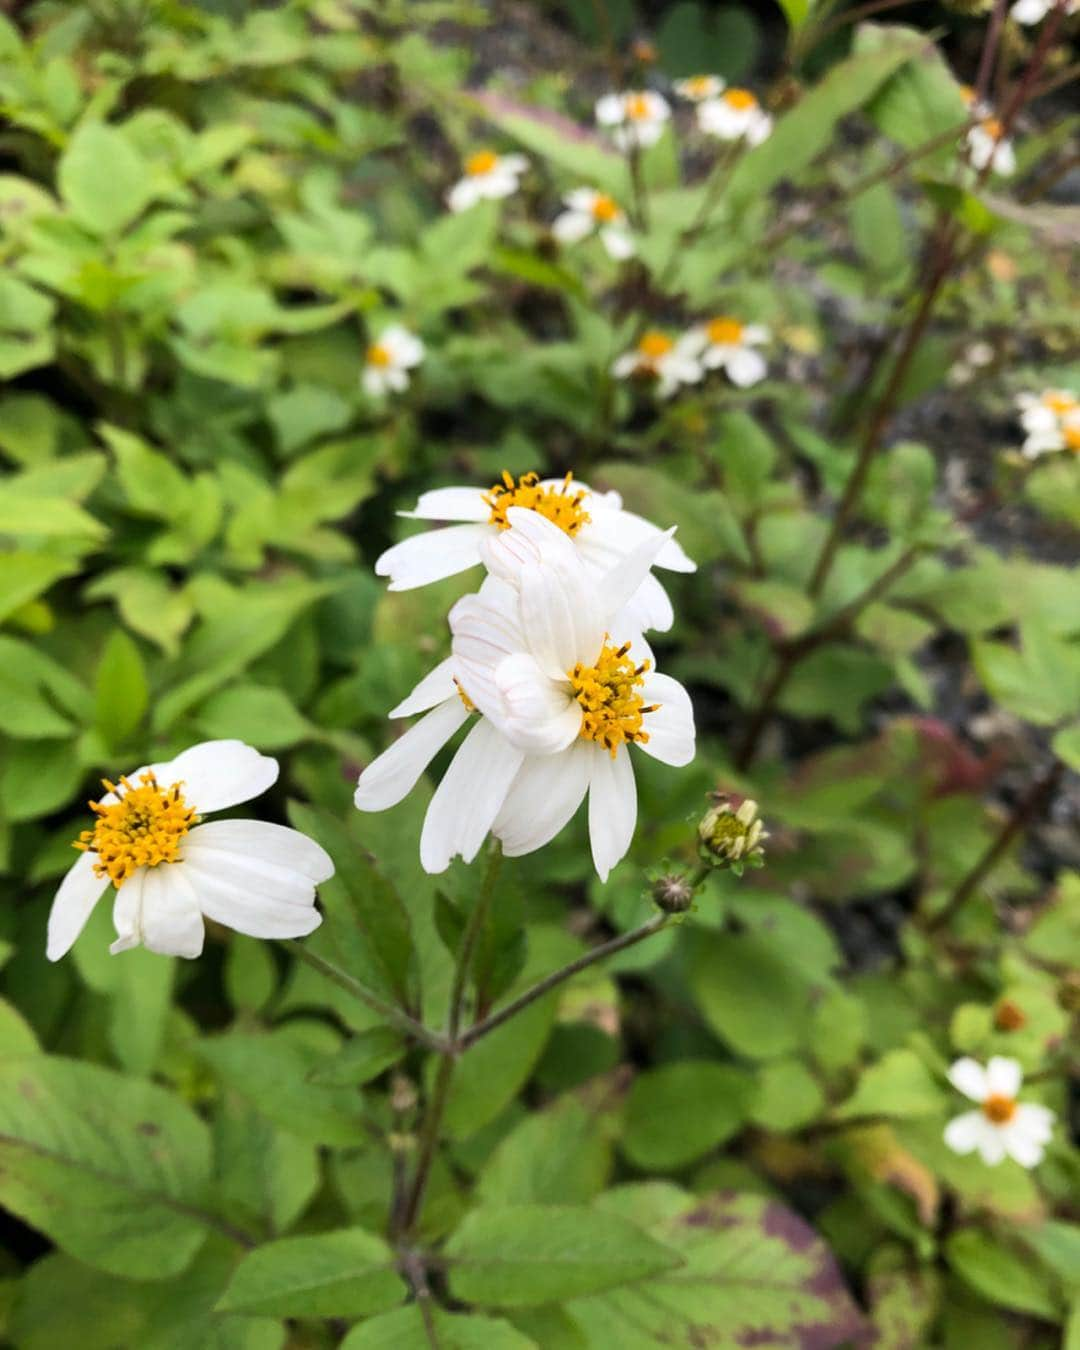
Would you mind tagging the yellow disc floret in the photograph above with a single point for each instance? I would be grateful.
(604, 209)
(998, 1109)
(481, 163)
(377, 355)
(724, 331)
(562, 505)
(612, 708)
(142, 829)
(742, 100)
(1071, 432)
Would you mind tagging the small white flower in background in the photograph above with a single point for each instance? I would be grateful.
(486, 175)
(1034, 11)
(388, 360)
(561, 690)
(169, 869)
(1002, 1126)
(670, 361)
(698, 88)
(587, 212)
(635, 118)
(735, 115)
(975, 357)
(986, 143)
(730, 346)
(601, 530)
(1051, 420)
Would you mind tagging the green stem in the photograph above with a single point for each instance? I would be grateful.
(396, 1016)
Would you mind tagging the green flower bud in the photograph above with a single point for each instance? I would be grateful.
(673, 893)
(732, 837)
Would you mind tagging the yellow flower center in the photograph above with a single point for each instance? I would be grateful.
(611, 706)
(655, 345)
(142, 829)
(480, 163)
(967, 93)
(1058, 401)
(724, 331)
(698, 85)
(638, 107)
(1071, 432)
(604, 209)
(470, 706)
(377, 355)
(1000, 1110)
(561, 505)
(739, 99)
(993, 128)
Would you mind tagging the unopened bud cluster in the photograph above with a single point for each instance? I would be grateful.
(732, 836)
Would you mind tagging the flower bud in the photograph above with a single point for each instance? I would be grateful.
(672, 893)
(1009, 1016)
(732, 836)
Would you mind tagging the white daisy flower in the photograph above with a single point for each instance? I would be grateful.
(671, 362)
(730, 346)
(1001, 1126)
(1051, 420)
(601, 530)
(634, 118)
(736, 115)
(486, 175)
(1034, 11)
(985, 142)
(698, 88)
(170, 870)
(974, 357)
(587, 212)
(389, 359)
(559, 703)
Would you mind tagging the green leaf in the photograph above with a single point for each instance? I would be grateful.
(406, 1329)
(921, 101)
(346, 1273)
(113, 1169)
(262, 716)
(681, 1111)
(1066, 745)
(496, 1068)
(1001, 1275)
(559, 1156)
(524, 1255)
(754, 1273)
(1040, 682)
(361, 1059)
(899, 1084)
(103, 179)
(24, 575)
(122, 693)
(788, 1096)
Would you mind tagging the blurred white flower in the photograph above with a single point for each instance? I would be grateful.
(169, 870)
(486, 175)
(730, 346)
(671, 362)
(389, 359)
(1051, 420)
(735, 115)
(587, 212)
(634, 118)
(601, 530)
(1002, 1126)
(986, 143)
(974, 357)
(1034, 11)
(697, 88)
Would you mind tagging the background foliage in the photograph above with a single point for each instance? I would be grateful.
(732, 1134)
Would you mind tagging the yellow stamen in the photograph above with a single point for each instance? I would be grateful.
(604, 209)
(654, 345)
(481, 163)
(377, 355)
(724, 331)
(561, 505)
(612, 707)
(142, 829)
(1000, 1110)
(993, 128)
(739, 99)
(470, 706)
(1058, 401)
(698, 85)
(967, 93)
(638, 107)
(1071, 432)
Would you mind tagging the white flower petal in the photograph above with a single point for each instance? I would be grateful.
(451, 503)
(543, 797)
(127, 911)
(73, 904)
(624, 580)
(572, 226)
(969, 1077)
(1030, 11)
(485, 632)
(436, 687)
(671, 727)
(531, 539)
(1021, 1146)
(1036, 1120)
(619, 532)
(964, 1134)
(746, 367)
(277, 845)
(465, 193)
(991, 1144)
(560, 616)
(612, 807)
(218, 774)
(539, 715)
(373, 382)
(648, 608)
(431, 556)
(468, 799)
(610, 110)
(261, 899)
(171, 922)
(1003, 1077)
(618, 243)
(391, 777)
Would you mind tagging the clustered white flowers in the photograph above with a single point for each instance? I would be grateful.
(487, 176)
(735, 115)
(1051, 420)
(548, 662)
(721, 343)
(987, 144)
(389, 359)
(635, 119)
(1002, 1126)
